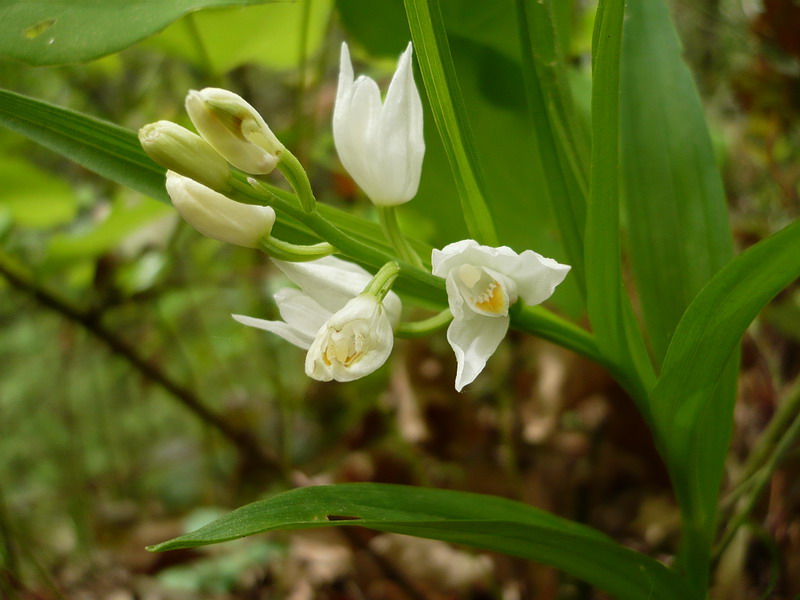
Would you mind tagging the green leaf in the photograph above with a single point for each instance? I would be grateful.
(52, 32)
(556, 142)
(609, 308)
(481, 521)
(33, 197)
(223, 39)
(694, 398)
(438, 73)
(676, 211)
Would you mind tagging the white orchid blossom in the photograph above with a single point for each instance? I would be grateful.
(234, 129)
(347, 334)
(217, 216)
(380, 144)
(482, 282)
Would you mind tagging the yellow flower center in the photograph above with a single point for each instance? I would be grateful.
(483, 291)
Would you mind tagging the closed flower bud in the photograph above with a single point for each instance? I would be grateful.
(380, 143)
(178, 149)
(353, 343)
(217, 216)
(234, 129)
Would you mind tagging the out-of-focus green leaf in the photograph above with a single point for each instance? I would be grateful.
(441, 85)
(693, 419)
(220, 40)
(122, 221)
(51, 32)
(477, 520)
(677, 217)
(33, 197)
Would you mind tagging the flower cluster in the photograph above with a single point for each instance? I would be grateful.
(344, 317)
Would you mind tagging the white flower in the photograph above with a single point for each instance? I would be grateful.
(354, 342)
(380, 144)
(482, 282)
(217, 216)
(347, 335)
(234, 129)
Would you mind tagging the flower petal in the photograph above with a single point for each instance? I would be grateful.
(537, 276)
(280, 328)
(301, 312)
(474, 341)
(330, 281)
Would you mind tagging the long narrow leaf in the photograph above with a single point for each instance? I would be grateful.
(482, 521)
(441, 84)
(693, 400)
(560, 162)
(676, 211)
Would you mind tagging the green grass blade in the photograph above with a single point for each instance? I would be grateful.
(676, 211)
(487, 522)
(694, 397)
(449, 112)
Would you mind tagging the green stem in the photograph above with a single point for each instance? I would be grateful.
(295, 252)
(297, 177)
(380, 285)
(388, 219)
(425, 327)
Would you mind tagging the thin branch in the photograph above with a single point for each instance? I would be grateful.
(90, 321)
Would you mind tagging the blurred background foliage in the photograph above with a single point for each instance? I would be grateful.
(129, 397)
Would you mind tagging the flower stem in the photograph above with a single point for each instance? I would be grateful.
(425, 327)
(388, 219)
(383, 280)
(295, 252)
(297, 177)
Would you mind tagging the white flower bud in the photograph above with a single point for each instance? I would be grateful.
(217, 216)
(234, 129)
(353, 343)
(178, 149)
(380, 144)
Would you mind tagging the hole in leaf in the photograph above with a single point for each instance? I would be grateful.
(342, 518)
(35, 31)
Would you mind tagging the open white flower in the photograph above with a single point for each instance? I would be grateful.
(217, 216)
(354, 342)
(380, 144)
(482, 282)
(234, 129)
(348, 335)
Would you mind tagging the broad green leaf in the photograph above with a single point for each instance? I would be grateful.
(676, 212)
(52, 32)
(441, 85)
(33, 197)
(223, 39)
(487, 522)
(694, 397)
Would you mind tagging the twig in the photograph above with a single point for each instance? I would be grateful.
(90, 321)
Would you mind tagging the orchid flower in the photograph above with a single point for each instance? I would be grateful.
(482, 282)
(380, 144)
(347, 334)
(217, 216)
